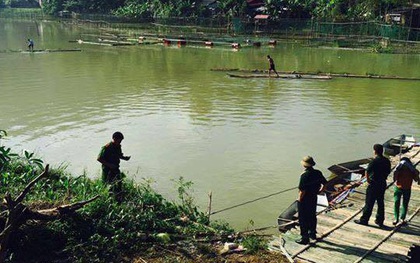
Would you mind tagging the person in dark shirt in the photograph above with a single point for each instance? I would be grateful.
(272, 66)
(376, 174)
(109, 157)
(311, 183)
(30, 45)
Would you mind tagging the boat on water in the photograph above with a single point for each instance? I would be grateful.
(399, 144)
(281, 76)
(344, 179)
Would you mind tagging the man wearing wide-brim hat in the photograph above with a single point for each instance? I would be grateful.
(311, 183)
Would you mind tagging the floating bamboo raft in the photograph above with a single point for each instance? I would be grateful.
(42, 51)
(341, 240)
(104, 42)
(281, 76)
(324, 74)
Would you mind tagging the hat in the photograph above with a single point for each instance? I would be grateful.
(307, 161)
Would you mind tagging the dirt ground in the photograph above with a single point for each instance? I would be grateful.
(262, 257)
(211, 254)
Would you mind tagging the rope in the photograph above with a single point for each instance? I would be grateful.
(251, 201)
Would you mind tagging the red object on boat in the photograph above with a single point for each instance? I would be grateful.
(236, 45)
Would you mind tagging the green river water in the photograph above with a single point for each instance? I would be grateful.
(239, 138)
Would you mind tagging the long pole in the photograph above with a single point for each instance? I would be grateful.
(209, 206)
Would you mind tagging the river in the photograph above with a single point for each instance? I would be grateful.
(239, 138)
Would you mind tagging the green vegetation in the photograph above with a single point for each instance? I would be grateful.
(337, 10)
(144, 224)
(254, 244)
(104, 230)
(19, 3)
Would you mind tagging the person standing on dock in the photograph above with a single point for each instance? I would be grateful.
(312, 182)
(109, 157)
(272, 66)
(30, 45)
(376, 174)
(404, 175)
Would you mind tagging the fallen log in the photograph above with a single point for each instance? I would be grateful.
(16, 213)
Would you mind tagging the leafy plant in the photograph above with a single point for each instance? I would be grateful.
(5, 153)
(254, 244)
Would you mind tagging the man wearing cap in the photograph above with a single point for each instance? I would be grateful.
(311, 183)
(109, 157)
(376, 174)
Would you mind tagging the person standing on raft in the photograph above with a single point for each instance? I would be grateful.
(376, 174)
(30, 45)
(272, 66)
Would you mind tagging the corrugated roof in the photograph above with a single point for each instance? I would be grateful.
(261, 17)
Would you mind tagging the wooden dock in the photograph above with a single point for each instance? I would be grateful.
(342, 240)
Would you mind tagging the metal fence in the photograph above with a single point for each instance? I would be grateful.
(286, 28)
(21, 13)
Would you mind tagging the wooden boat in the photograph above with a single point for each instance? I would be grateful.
(281, 76)
(344, 179)
(399, 144)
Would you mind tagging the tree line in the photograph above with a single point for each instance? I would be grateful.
(337, 10)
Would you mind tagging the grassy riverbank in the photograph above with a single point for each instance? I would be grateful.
(144, 227)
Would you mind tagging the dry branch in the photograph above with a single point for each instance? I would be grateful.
(17, 213)
(32, 183)
(57, 212)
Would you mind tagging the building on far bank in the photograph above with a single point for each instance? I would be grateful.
(408, 16)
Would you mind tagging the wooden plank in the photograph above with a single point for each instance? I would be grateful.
(383, 240)
(281, 76)
(327, 251)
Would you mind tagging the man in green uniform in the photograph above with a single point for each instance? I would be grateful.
(311, 183)
(109, 157)
(376, 174)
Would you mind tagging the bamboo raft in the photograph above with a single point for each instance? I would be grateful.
(281, 76)
(41, 51)
(341, 240)
(103, 42)
(320, 74)
(167, 40)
